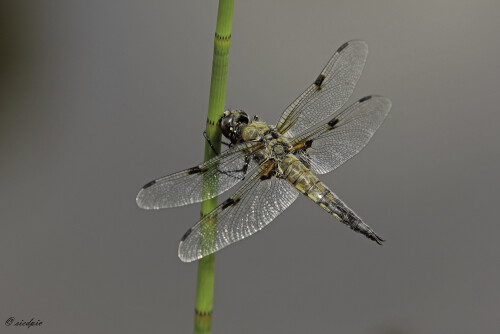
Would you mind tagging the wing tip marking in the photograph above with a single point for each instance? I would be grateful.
(366, 98)
(188, 232)
(342, 47)
(149, 184)
(319, 81)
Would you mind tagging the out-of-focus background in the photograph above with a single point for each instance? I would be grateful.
(99, 97)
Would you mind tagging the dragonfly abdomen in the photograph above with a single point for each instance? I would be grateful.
(308, 184)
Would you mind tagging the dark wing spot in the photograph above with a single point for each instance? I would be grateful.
(149, 184)
(342, 47)
(333, 122)
(230, 202)
(319, 80)
(308, 143)
(194, 170)
(266, 176)
(366, 98)
(188, 232)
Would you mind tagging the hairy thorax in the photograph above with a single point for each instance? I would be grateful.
(276, 147)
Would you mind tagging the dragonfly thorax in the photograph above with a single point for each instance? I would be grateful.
(275, 147)
(279, 148)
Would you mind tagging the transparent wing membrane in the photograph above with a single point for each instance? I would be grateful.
(200, 182)
(330, 145)
(328, 93)
(250, 209)
(322, 136)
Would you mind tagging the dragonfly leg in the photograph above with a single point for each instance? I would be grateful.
(243, 170)
(211, 145)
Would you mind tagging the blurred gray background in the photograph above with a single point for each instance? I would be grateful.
(99, 97)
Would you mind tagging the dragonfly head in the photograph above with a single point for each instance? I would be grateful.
(231, 124)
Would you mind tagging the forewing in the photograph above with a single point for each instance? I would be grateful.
(328, 93)
(328, 146)
(252, 207)
(199, 183)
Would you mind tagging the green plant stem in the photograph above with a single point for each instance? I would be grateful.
(206, 265)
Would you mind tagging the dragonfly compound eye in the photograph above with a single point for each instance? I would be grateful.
(242, 117)
(232, 122)
(227, 124)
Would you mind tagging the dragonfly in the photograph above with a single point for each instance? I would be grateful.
(277, 163)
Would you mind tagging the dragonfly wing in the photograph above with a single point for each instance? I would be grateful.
(199, 183)
(328, 93)
(259, 200)
(330, 145)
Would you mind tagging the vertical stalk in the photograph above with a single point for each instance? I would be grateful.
(206, 265)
